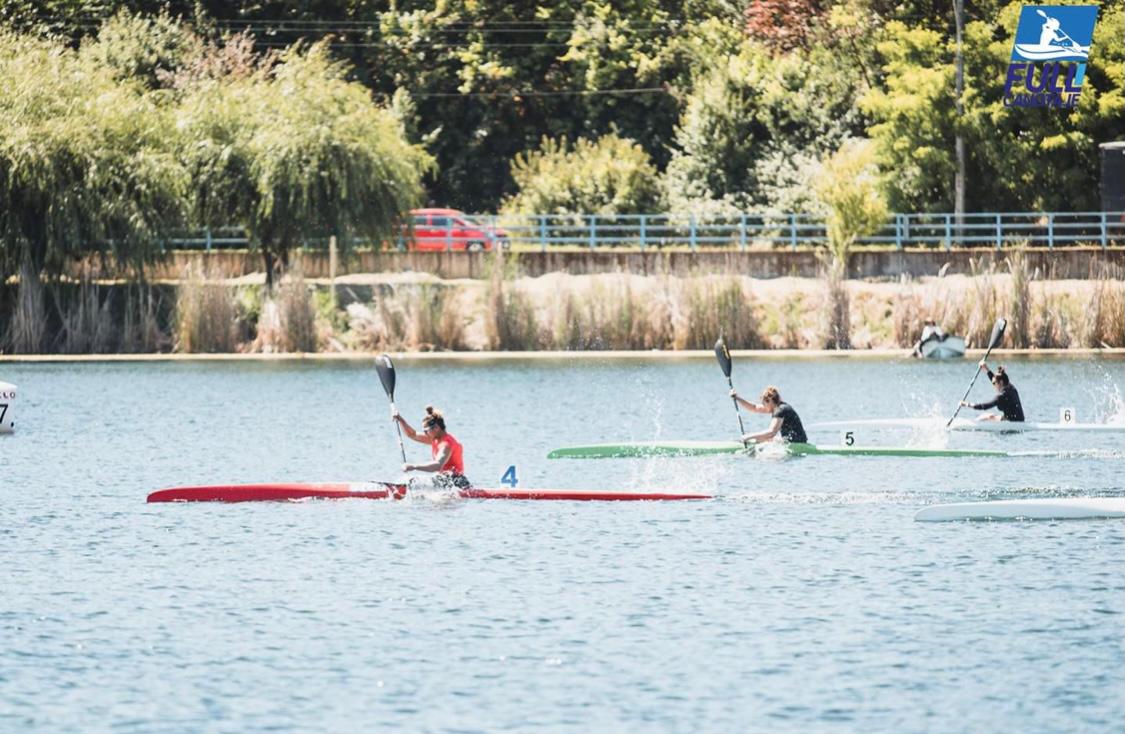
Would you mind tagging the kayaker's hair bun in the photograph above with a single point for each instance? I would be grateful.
(433, 417)
(771, 395)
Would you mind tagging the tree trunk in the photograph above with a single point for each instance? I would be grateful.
(268, 257)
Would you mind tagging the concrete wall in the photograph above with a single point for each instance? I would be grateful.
(1070, 262)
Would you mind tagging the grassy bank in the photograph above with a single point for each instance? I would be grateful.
(558, 312)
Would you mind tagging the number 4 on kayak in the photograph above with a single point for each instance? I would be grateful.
(509, 477)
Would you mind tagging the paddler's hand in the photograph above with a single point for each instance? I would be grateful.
(407, 468)
(964, 404)
(733, 393)
(395, 414)
(983, 365)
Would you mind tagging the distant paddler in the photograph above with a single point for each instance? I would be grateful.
(785, 421)
(1007, 398)
(448, 459)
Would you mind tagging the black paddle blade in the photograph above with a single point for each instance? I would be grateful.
(723, 355)
(997, 333)
(386, 370)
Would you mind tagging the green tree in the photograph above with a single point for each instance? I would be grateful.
(87, 161)
(294, 152)
(611, 175)
(754, 126)
(850, 189)
(851, 192)
(144, 49)
(1018, 159)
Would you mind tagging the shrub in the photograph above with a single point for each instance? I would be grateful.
(611, 175)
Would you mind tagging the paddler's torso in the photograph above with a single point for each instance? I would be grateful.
(791, 429)
(455, 463)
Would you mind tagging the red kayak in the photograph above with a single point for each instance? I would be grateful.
(382, 491)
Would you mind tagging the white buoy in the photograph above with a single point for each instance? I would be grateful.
(7, 403)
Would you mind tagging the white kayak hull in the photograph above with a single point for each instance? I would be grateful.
(962, 424)
(1065, 508)
(951, 347)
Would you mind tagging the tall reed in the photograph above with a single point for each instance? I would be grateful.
(1103, 324)
(511, 322)
(1021, 303)
(141, 330)
(87, 319)
(906, 317)
(717, 305)
(288, 320)
(436, 320)
(206, 315)
(981, 309)
(1052, 323)
(27, 326)
(835, 315)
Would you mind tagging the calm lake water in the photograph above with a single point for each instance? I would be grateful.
(804, 599)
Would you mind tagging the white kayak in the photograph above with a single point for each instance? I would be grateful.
(1063, 508)
(963, 424)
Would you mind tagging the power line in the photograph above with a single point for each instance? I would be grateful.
(560, 93)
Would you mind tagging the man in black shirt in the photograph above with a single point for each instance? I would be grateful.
(1007, 399)
(785, 419)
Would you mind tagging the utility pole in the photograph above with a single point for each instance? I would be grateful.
(959, 145)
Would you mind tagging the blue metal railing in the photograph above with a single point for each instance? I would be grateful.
(737, 231)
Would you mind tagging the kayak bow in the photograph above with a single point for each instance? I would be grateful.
(386, 490)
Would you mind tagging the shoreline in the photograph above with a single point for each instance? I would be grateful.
(587, 355)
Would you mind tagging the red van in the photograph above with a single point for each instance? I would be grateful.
(436, 230)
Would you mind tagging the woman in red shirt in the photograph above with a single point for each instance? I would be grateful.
(444, 448)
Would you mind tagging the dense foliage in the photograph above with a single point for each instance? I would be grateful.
(609, 176)
(736, 103)
(148, 127)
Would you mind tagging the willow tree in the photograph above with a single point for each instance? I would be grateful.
(850, 190)
(87, 165)
(293, 152)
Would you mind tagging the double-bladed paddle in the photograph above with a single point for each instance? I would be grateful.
(386, 370)
(723, 355)
(993, 341)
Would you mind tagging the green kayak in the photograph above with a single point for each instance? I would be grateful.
(711, 448)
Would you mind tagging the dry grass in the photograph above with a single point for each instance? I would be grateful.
(436, 318)
(907, 316)
(1052, 323)
(207, 315)
(567, 312)
(1021, 302)
(287, 321)
(1103, 323)
(423, 317)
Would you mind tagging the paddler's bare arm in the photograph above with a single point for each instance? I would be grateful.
(752, 407)
(766, 435)
(435, 465)
(408, 429)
